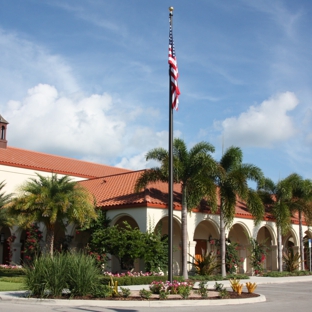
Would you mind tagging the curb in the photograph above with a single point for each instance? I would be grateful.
(132, 304)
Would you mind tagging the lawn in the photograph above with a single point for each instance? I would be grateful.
(12, 283)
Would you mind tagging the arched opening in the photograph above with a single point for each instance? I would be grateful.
(205, 235)
(5, 248)
(265, 238)
(239, 234)
(162, 228)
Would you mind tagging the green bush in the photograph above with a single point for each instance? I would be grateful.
(102, 291)
(11, 272)
(83, 274)
(292, 260)
(51, 275)
(206, 264)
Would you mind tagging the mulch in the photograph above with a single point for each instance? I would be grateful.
(135, 296)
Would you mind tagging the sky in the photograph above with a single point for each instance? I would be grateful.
(88, 79)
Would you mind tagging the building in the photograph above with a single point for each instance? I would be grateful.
(113, 189)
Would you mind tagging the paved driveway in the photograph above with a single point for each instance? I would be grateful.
(281, 297)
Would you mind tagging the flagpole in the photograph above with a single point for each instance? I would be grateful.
(170, 182)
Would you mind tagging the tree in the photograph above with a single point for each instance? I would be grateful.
(4, 199)
(190, 170)
(52, 201)
(232, 182)
(276, 197)
(301, 202)
(128, 244)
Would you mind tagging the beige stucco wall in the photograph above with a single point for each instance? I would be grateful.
(14, 177)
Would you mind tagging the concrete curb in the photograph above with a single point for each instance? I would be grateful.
(129, 304)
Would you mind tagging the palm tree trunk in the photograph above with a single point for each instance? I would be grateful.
(279, 249)
(222, 242)
(184, 234)
(301, 242)
(49, 241)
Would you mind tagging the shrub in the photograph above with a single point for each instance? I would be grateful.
(101, 291)
(51, 275)
(292, 260)
(163, 295)
(218, 286)
(203, 290)
(184, 291)
(125, 292)
(206, 264)
(224, 294)
(145, 294)
(7, 270)
(157, 286)
(83, 273)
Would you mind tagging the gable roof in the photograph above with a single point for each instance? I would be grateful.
(17, 157)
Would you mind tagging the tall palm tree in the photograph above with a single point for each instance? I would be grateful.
(190, 170)
(301, 202)
(52, 201)
(232, 182)
(276, 196)
(4, 199)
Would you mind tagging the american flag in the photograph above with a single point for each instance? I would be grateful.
(174, 88)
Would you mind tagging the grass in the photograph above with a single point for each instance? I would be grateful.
(12, 283)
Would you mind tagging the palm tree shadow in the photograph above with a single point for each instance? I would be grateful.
(149, 195)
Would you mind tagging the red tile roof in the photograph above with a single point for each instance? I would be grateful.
(117, 192)
(17, 157)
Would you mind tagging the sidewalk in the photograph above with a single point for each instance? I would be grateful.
(20, 296)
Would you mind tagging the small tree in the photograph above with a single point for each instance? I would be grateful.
(128, 244)
(52, 201)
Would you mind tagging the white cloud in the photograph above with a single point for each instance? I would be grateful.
(46, 121)
(96, 128)
(262, 125)
(24, 64)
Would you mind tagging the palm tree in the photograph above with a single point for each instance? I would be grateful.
(4, 199)
(276, 197)
(190, 170)
(232, 182)
(52, 201)
(301, 202)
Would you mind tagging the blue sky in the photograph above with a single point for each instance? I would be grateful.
(89, 78)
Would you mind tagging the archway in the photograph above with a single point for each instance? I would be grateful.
(206, 233)
(238, 234)
(119, 220)
(162, 228)
(5, 254)
(265, 238)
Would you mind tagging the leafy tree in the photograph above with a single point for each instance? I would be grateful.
(276, 197)
(190, 170)
(4, 199)
(232, 182)
(301, 202)
(128, 244)
(51, 201)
